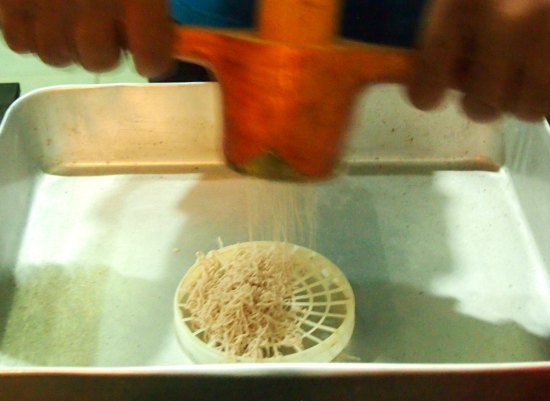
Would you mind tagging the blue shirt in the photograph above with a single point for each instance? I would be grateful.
(392, 22)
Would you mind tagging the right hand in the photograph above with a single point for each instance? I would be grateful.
(497, 52)
(91, 33)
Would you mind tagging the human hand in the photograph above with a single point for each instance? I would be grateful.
(91, 32)
(497, 52)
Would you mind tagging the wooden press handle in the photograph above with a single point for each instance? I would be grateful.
(299, 22)
(296, 23)
(290, 85)
(382, 64)
(369, 63)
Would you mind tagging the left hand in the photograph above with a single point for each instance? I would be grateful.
(91, 33)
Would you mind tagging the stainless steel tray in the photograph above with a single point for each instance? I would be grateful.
(107, 192)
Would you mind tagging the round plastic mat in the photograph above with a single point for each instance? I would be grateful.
(321, 293)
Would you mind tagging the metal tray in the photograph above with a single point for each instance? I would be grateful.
(107, 192)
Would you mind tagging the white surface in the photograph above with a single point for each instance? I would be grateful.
(440, 273)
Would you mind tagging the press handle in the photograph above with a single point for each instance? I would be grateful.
(299, 22)
(368, 63)
(382, 64)
(290, 85)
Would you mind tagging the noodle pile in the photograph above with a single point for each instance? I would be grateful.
(242, 306)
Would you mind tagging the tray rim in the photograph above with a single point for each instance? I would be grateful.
(294, 369)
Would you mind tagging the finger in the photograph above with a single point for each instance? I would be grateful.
(15, 31)
(52, 39)
(17, 28)
(496, 60)
(533, 101)
(463, 64)
(149, 35)
(533, 97)
(95, 35)
(519, 88)
(2, 16)
(439, 47)
(479, 111)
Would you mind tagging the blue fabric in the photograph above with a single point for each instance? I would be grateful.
(391, 22)
(215, 13)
